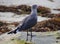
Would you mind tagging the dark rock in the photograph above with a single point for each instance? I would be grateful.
(43, 10)
(58, 38)
(57, 41)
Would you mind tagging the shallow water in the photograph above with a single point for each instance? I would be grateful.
(39, 38)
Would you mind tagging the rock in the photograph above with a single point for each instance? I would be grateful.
(57, 15)
(3, 27)
(9, 9)
(58, 9)
(25, 8)
(2, 8)
(57, 41)
(47, 25)
(58, 38)
(51, 0)
(44, 10)
(0, 33)
(28, 42)
(2, 23)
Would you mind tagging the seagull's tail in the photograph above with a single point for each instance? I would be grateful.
(14, 31)
(11, 32)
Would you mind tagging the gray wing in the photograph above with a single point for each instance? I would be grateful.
(19, 26)
(28, 22)
(24, 21)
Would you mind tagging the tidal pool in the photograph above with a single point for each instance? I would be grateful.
(38, 38)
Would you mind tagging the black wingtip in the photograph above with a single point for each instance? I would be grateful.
(12, 32)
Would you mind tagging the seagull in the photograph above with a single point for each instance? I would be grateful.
(28, 22)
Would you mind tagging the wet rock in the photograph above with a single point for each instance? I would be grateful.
(50, 15)
(0, 33)
(57, 9)
(51, 0)
(2, 8)
(3, 27)
(12, 39)
(14, 23)
(47, 25)
(9, 9)
(23, 9)
(58, 38)
(43, 10)
(57, 15)
(2, 23)
(57, 41)
(28, 43)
